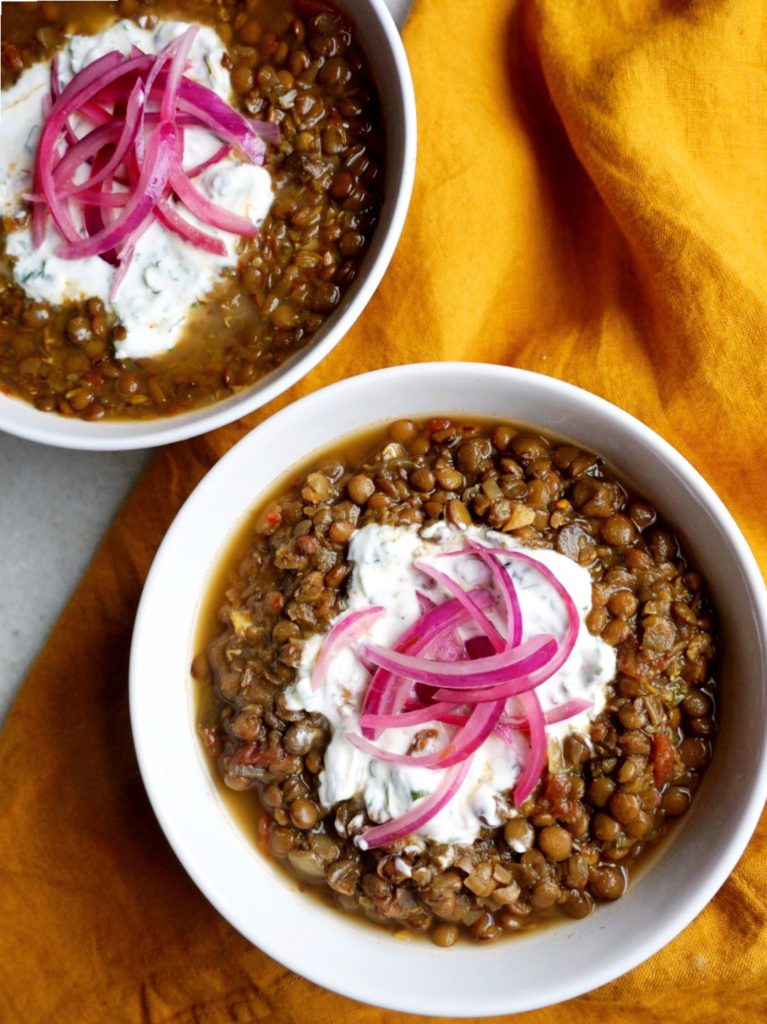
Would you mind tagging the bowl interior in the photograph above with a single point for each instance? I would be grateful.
(390, 70)
(354, 958)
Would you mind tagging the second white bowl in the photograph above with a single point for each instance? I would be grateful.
(388, 62)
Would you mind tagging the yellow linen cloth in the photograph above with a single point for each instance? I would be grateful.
(591, 202)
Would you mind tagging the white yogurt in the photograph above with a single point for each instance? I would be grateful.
(383, 574)
(167, 275)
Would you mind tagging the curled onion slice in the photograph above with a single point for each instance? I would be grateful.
(439, 712)
(221, 154)
(466, 600)
(179, 52)
(55, 93)
(216, 216)
(508, 591)
(419, 814)
(561, 713)
(127, 249)
(470, 736)
(536, 760)
(151, 185)
(350, 628)
(381, 694)
(173, 221)
(509, 665)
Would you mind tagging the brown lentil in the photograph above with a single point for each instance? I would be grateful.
(403, 431)
(360, 488)
(555, 842)
(444, 935)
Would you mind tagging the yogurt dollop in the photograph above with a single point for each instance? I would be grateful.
(167, 275)
(383, 573)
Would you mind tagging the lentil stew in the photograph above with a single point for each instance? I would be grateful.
(296, 63)
(614, 789)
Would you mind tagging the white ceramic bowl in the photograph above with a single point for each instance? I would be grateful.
(357, 959)
(390, 69)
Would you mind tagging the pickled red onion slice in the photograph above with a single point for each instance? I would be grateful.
(536, 760)
(465, 599)
(514, 664)
(419, 814)
(343, 633)
(385, 687)
(508, 591)
(561, 713)
(138, 146)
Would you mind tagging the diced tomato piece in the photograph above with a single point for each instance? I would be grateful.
(248, 753)
(662, 759)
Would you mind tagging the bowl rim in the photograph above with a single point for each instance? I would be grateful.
(21, 419)
(352, 986)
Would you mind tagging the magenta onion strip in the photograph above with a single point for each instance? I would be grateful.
(127, 249)
(419, 815)
(221, 154)
(55, 93)
(536, 760)
(508, 591)
(173, 221)
(511, 665)
(385, 690)
(151, 184)
(349, 629)
(93, 216)
(439, 712)
(110, 200)
(560, 713)
(176, 70)
(457, 591)
(216, 216)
